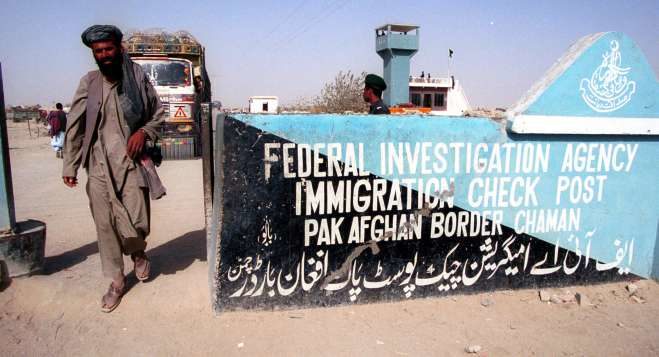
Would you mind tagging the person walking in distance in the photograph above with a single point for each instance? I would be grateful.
(57, 126)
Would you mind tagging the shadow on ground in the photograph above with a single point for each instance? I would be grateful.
(5, 281)
(168, 258)
(177, 254)
(66, 260)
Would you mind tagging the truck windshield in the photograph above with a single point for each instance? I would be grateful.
(167, 72)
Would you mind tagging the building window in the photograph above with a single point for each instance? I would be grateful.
(265, 106)
(415, 98)
(439, 99)
(427, 100)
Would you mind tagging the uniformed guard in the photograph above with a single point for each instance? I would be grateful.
(373, 87)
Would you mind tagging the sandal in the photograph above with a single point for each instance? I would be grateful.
(142, 273)
(112, 298)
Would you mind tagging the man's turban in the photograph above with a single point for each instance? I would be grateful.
(101, 33)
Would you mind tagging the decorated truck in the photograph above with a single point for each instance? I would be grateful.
(172, 61)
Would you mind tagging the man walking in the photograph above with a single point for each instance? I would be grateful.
(374, 85)
(57, 122)
(115, 110)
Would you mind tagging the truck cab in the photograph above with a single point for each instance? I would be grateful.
(171, 61)
(173, 81)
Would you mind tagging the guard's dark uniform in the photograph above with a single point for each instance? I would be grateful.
(378, 108)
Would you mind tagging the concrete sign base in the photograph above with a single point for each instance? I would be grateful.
(22, 252)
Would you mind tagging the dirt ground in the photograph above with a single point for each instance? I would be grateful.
(58, 312)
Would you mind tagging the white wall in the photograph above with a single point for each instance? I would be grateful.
(457, 102)
(256, 105)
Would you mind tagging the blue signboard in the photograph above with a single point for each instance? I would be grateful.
(315, 210)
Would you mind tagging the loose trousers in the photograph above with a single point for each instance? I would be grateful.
(135, 199)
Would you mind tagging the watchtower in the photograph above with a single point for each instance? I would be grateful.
(396, 44)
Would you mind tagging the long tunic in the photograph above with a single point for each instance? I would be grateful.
(118, 196)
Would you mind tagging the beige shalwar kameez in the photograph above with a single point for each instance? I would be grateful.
(117, 191)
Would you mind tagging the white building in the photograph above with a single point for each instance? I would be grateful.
(262, 104)
(444, 96)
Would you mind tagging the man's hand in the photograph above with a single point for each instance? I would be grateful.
(136, 144)
(70, 181)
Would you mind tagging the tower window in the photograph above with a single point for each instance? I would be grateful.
(439, 99)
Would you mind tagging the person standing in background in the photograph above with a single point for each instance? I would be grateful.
(57, 126)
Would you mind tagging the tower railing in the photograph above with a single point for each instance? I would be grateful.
(397, 41)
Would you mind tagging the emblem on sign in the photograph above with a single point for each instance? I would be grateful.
(608, 89)
(180, 112)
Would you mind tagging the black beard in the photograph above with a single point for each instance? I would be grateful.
(112, 70)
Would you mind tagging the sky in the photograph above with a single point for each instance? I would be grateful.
(291, 48)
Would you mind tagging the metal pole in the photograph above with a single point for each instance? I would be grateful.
(448, 65)
(7, 209)
(214, 228)
(207, 159)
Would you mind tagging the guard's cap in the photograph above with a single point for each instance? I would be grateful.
(101, 33)
(375, 81)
